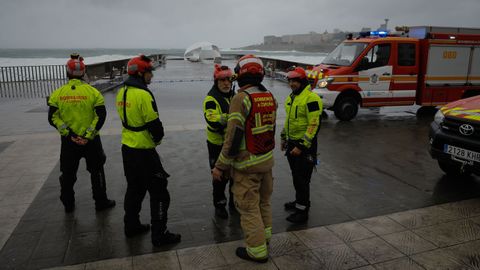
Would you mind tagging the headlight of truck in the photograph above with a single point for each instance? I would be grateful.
(439, 116)
(323, 83)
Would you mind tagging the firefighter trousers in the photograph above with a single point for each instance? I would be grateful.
(302, 168)
(219, 198)
(144, 172)
(70, 155)
(252, 193)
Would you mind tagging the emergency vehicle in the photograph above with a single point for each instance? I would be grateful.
(423, 65)
(455, 137)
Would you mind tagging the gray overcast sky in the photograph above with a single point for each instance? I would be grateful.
(180, 23)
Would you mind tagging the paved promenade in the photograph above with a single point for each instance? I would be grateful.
(378, 200)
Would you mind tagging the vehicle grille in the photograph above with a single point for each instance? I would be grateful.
(452, 125)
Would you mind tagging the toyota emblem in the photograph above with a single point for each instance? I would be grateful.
(466, 129)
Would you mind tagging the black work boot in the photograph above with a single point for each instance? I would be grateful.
(242, 253)
(290, 205)
(221, 212)
(105, 204)
(300, 216)
(165, 238)
(131, 231)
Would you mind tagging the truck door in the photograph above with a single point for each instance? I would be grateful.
(375, 74)
(405, 71)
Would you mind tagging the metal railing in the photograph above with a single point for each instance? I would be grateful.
(31, 81)
(41, 81)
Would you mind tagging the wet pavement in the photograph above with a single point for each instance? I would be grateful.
(371, 169)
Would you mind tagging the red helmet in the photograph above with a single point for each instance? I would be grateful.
(140, 63)
(75, 65)
(296, 73)
(249, 64)
(221, 72)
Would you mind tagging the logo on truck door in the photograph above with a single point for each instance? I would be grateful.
(374, 78)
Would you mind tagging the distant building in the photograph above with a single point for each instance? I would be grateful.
(268, 40)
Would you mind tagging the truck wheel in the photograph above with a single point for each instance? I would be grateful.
(426, 111)
(346, 108)
(452, 170)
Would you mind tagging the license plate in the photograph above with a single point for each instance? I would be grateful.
(461, 153)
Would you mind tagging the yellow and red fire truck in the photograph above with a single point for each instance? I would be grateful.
(423, 65)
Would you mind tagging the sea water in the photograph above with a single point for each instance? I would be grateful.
(34, 57)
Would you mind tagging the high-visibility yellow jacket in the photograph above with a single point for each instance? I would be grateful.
(303, 117)
(75, 104)
(215, 111)
(142, 128)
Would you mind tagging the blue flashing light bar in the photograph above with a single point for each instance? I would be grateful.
(379, 33)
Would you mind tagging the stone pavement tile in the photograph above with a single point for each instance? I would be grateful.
(317, 237)
(20, 197)
(228, 251)
(42, 166)
(70, 267)
(381, 225)
(466, 208)
(339, 257)
(167, 260)
(463, 256)
(4, 145)
(248, 265)
(408, 242)
(12, 210)
(376, 250)
(7, 226)
(45, 263)
(303, 260)
(203, 257)
(29, 183)
(350, 231)
(424, 217)
(475, 219)
(403, 263)
(7, 184)
(367, 267)
(83, 247)
(450, 233)
(285, 243)
(17, 250)
(117, 264)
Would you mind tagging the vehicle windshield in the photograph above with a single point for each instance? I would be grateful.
(345, 54)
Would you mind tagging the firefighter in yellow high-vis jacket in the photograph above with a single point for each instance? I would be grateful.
(77, 111)
(299, 139)
(215, 110)
(142, 132)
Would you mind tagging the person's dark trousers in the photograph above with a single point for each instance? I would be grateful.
(70, 156)
(219, 198)
(302, 168)
(144, 172)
